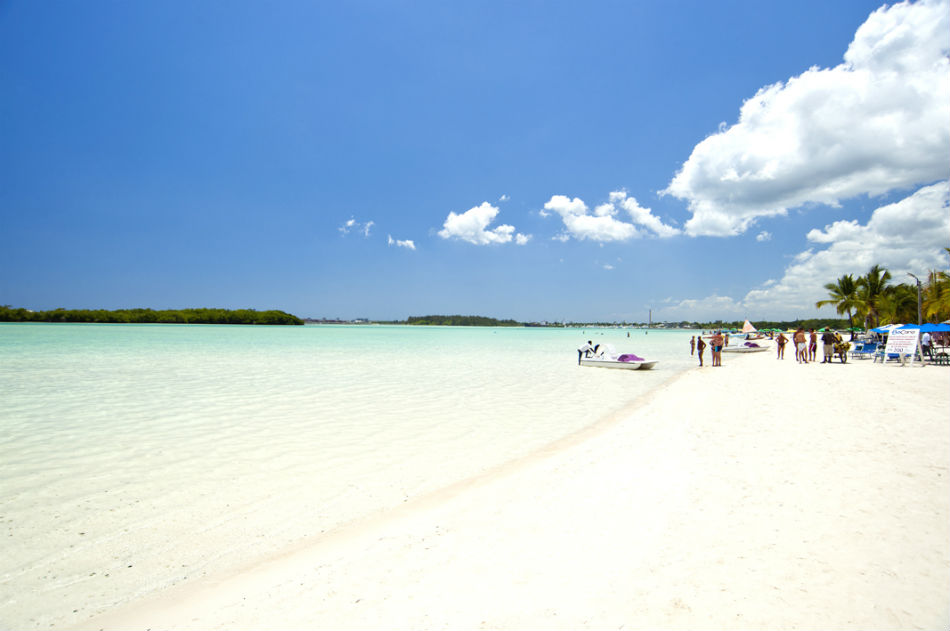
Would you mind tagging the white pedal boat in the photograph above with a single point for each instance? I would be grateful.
(600, 362)
(608, 357)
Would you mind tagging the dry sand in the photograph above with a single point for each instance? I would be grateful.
(761, 495)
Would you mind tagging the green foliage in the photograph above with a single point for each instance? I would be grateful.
(872, 289)
(843, 296)
(149, 316)
(878, 302)
(459, 320)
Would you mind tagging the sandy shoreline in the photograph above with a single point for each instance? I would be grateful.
(763, 494)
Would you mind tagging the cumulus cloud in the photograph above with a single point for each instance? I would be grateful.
(472, 226)
(764, 236)
(878, 122)
(709, 308)
(906, 236)
(404, 243)
(504, 198)
(603, 224)
(352, 225)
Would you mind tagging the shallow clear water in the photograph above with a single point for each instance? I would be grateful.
(133, 457)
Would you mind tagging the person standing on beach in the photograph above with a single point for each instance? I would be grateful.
(584, 351)
(926, 345)
(716, 343)
(801, 347)
(812, 345)
(828, 339)
(780, 344)
(692, 345)
(700, 347)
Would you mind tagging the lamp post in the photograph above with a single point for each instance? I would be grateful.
(918, 297)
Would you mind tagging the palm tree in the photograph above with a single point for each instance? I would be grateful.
(937, 295)
(843, 296)
(871, 290)
(898, 304)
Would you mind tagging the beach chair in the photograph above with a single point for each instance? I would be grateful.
(864, 351)
(879, 354)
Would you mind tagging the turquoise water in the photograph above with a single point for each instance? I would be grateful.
(134, 457)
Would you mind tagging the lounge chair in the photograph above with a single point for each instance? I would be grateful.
(865, 350)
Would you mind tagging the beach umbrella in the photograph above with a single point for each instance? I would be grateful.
(928, 326)
(933, 328)
(887, 328)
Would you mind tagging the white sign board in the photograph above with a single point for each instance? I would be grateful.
(903, 342)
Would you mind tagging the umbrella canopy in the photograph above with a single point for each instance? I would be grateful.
(887, 328)
(933, 328)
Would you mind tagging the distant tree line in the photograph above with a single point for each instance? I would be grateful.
(459, 320)
(150, 316)
(784, 325)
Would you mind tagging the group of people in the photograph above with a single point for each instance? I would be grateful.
(806, 345)
(697, 347)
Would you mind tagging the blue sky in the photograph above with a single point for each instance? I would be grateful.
(528, 160)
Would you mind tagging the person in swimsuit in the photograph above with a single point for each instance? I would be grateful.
(812, 345)
(801, 347)
(716, 343)
(780, 344)
(700, 347)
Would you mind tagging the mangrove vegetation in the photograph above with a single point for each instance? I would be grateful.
(150, 316)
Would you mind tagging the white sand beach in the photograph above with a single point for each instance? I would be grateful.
(761, 495)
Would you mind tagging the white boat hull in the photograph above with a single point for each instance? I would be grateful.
(612, 363)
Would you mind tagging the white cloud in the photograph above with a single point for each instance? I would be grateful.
(878, 122)
(404, 243)
(472, 226)
(603, 225)
(642, 216)
(713, 307)
(906, 236)
(352, 225)
(504, 198)
(764, 236)
(608, 266)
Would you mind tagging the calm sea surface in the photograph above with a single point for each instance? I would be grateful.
(134, 457)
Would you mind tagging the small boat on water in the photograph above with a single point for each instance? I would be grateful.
(749, 341)
(624, 364)
(747, 346)
(610, 358)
